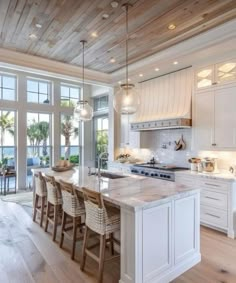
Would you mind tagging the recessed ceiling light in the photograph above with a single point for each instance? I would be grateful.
(112, 60)
(175, 62)
(94, 34)
(105, 16)
(38, 25)
(129, 80)
(141, 75)
(119, 82)
(157, 69)
(171, 26)
(33, 36)
(114, 4)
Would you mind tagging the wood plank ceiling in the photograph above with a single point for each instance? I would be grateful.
(65, 22)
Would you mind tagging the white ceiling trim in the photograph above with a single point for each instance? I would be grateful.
(204, 40)
(27, 63)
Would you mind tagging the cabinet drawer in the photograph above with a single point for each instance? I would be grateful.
(214, 217)
(214, 185)
(215, 199)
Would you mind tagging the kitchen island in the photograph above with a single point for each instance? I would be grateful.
(160, 223)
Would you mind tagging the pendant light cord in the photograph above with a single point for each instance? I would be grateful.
(83, 42)
(127, 39)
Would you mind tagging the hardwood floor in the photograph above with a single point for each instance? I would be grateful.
(27, 254)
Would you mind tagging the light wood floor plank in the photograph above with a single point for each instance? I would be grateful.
(28, 255)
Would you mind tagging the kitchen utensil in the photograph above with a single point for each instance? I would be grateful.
(209, 164)
(180, 144)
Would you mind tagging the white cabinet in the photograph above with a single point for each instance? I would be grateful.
(225, 117)
(218, 74)
(215, 119)
(217, 201)
(128, 138)
(203, 120)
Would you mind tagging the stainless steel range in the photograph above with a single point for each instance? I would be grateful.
(157, 170)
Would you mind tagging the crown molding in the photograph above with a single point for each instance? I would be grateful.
(214, 36)
(38, 65)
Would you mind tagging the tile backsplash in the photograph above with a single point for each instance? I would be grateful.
(161, 144)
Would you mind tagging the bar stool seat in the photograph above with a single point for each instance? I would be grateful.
(103, 220)
(73, 208)
(54, 201)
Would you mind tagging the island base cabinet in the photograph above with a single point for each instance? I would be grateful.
(160, 243)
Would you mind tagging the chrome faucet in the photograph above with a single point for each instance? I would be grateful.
(100, 158)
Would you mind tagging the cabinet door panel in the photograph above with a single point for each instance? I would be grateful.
(204, 77)
(225, 117)
(156, 241)
(204, 120)
(226, 72)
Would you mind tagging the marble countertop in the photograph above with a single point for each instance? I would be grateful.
(221, 175)
(132, 192)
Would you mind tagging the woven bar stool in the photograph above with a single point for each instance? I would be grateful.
(40, 196)
(103, 220)
(72, 207)
(54, 201)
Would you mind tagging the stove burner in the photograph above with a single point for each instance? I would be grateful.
(157, 170)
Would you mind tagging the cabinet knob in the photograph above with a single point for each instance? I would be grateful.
(215, 83)
(214, 144)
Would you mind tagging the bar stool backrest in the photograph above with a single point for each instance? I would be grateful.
(40, 187)
(72, 204)
(96, 214)
(53, 190)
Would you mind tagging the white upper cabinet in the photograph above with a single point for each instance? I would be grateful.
(218, 74)
(215, 119)
(225, 117)
(226, 72)
(204, 120)
(204, 77)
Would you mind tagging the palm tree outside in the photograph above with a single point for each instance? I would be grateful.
(6, 125)
(68, 130)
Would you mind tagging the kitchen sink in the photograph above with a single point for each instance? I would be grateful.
(111, 175)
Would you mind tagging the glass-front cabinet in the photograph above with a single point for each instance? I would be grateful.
(218, 74)
(205, 77)
(226, 72)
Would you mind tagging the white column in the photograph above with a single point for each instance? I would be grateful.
(21, 141)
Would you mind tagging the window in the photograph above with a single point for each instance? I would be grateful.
(7, 87)
(7, 143)
(38, 91)
(69, 95)
(38, 142)
(101, 103)
(101, 138)
(69, 139)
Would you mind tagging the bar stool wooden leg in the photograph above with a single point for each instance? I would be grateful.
(35, 206)
(42, 211)
(47, 215)
(54, 234)
(63, 223)
(101, 256)
(74, 238)
(111, 244)
(86, 236)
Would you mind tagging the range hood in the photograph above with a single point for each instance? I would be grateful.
(165, 102)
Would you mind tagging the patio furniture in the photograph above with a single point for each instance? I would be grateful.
(5, 176)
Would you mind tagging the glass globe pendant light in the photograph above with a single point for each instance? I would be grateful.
(126, 99)
(83, 111)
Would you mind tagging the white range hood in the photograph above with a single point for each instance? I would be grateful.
(165, 102)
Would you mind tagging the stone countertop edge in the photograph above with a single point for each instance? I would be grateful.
(227, 177)
(144, 192)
